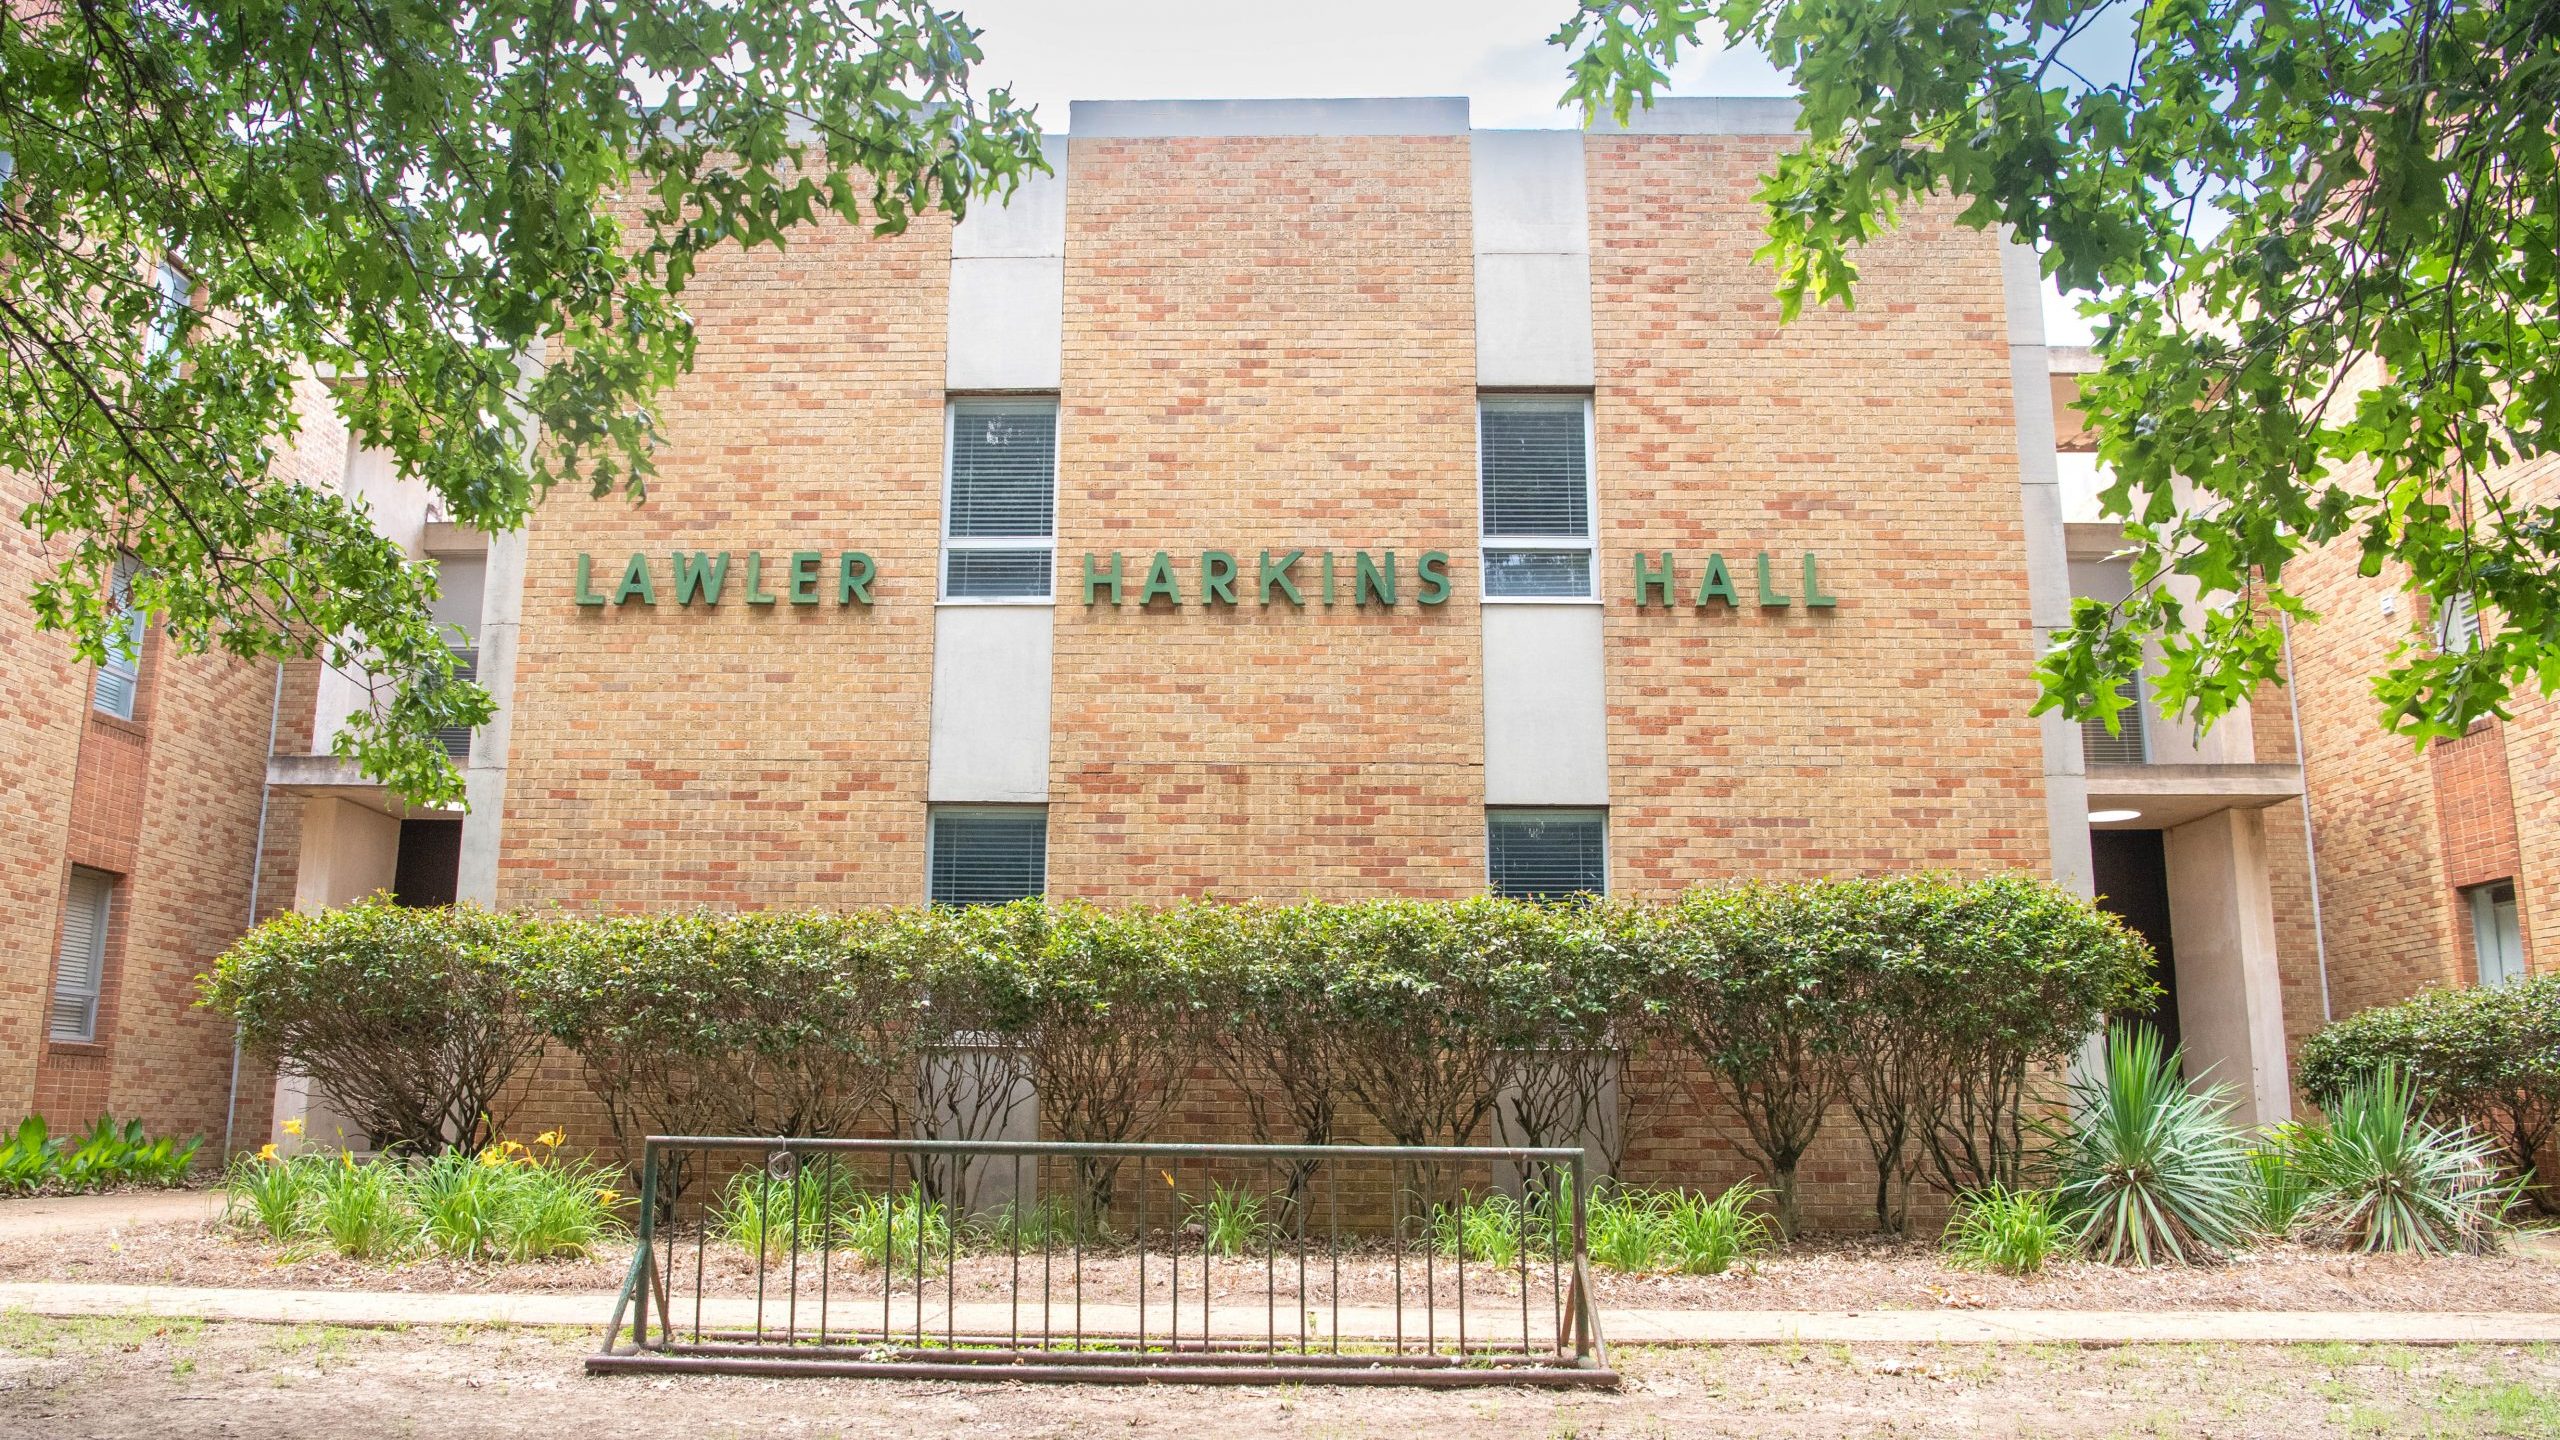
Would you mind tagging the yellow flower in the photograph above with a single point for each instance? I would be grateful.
(608, 1197)
(268, 1152)
(492, 1157)
(551, 1139)
(348, 1158)
(510, 1147)
(293, 1126)
(1168, 1178)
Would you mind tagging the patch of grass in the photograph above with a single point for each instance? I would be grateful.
(2015, 1231)
(42, 1337)
(2500, 1406)
(1231, 1221)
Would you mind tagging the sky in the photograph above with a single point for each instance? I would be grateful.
(1494, 52)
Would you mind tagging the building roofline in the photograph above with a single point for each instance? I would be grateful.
(1409, 115)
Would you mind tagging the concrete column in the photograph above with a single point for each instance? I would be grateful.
(2066, 779)
(2222, 920)
(484, 775)
(348, 852)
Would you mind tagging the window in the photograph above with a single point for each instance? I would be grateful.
(1536, 470)
(120, 674)
(986, 856)
(177, 295)
(999, 513)
(456, 739)
(1547, 854)
(2125, 745)
(2496, 937)
(81, 969)
(2458, 626)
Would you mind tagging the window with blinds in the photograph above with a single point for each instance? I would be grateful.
(80, 971)
(1547, 854)
(987, 856)
(456, 739)
(999, 527)
(2124, 746)
(177, 295)
(2458, 626)
(120, 675)
(1534, 455)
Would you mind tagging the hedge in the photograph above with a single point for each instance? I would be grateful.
(1925, 1002)
(2486, 1055)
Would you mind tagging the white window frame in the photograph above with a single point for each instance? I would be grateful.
(2488, 936)
(124, 654)
(1487, 545)
(97, 959)
(1492, 882)
(937, 812)
(951, 409)
(176, 290)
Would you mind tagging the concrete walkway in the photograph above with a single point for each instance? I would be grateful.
(589, 1310)
(93, 1214)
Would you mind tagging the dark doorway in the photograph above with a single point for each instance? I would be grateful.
(430, 862)
(2132, 868)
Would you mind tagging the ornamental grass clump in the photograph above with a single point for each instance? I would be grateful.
(2014, 1231)
(1490, 1231)
(1232, 1221)
(1685, 1231)
(2152, 1169)
(2382, 1177)
(505, 1202)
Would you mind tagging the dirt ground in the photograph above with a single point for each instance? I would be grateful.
(1819, 1274)
(146, 1378)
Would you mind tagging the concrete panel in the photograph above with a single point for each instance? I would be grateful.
(348, 852)
(1533, 321)
(1545, 716)
(1006, 316)
(484, 775)
(1149, 119)
(990, 704)
(1528, 194)
(2230, 1001)
(1724, 115)
(1031, 223)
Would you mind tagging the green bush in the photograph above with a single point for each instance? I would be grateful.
(2152, 1168)
(409, 1017)
(2382, 1177)
(32, 1158)
(2015, 1231)
(2488, 1056)
(764, 1023)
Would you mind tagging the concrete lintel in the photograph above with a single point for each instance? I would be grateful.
(1709, 115)
(319, 777)
(452, 537)
(1165, 119)
(2094, 539)
(2173, 795)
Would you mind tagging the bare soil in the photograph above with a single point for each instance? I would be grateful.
(1816, 1274)
(143, 1378)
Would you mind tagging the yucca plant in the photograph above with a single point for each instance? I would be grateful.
(2152, 1169)
(2383, 1177)
(2011, 1230)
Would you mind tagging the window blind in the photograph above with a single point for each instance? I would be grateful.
(120, 674)
(1536, 479)
(1547, 854)
(1004, 466)
(80, 970)
(456, 739)
(2123, 747)
(995, 574)
(987, 857)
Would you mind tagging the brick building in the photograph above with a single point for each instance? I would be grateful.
(1283, 498)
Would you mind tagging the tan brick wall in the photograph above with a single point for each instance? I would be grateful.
(749, 755)
(2533, 770)
(43, 696)
(1891, 731)
(1269, 344)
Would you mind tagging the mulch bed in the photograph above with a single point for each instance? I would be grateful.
(1819, 1273)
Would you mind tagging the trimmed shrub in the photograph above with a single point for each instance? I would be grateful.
(2381, 1177)
(2488, 1056)
(2152, 1169)
(764, 1023)
(1109, 1027)
(410, 1018)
